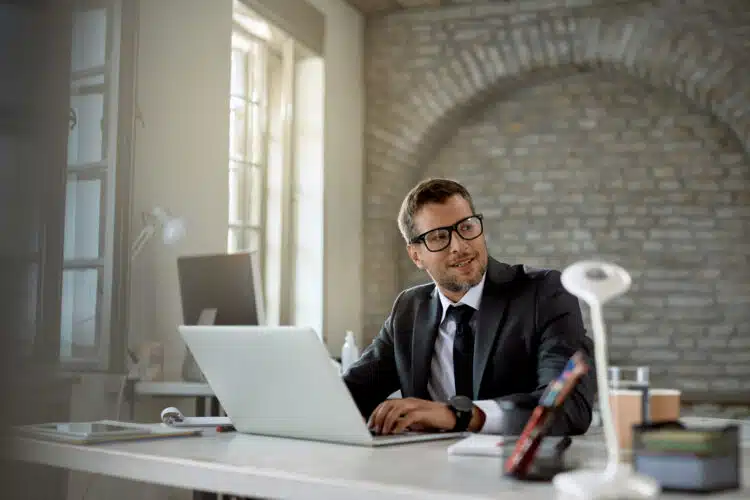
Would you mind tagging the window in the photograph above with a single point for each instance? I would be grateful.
(248, 122)
(259, 152)
(87, 195)
(87, 305)
(275, 146)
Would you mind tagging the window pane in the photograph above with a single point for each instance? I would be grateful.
(256, 144)
(237, 128)
(232, 240)
(85, 138)
(89, 39)
(235, 193)
(239, 73)
(255, 195)
(79, 313)
(242, 239)
(82, 218)
(88, 85)
(252, 237)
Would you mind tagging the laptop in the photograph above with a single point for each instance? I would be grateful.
(280, 381)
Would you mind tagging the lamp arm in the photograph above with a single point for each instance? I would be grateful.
(143, 237)
(600, 353)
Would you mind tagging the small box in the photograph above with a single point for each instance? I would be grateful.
(697, 458)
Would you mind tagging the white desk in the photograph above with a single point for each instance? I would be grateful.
(267, 467)
(202, 393)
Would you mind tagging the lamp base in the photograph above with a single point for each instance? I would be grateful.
(595, 484)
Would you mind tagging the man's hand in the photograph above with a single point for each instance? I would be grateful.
(394, 416)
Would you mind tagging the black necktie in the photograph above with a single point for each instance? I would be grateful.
(463, 349)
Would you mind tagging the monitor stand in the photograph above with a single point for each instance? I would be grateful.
(190, 370)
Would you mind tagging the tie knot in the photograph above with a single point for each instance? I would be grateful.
(461, 313)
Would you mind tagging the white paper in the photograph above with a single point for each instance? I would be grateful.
(484, 445)
(202, 422)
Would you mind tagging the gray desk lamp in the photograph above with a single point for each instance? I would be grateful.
(596, 283)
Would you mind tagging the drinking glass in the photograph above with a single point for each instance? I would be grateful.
(629, 400)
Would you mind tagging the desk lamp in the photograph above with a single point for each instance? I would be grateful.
(596, 283)
(173, 228)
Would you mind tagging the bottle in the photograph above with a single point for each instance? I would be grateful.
(349, 352)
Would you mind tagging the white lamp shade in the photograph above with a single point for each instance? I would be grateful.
(595, 282)
(173, 230)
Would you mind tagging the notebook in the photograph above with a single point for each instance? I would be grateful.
(484, 445)
(489, 445)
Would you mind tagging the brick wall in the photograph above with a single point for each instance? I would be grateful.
(583, 132)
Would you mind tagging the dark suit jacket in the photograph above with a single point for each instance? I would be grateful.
(528, 327)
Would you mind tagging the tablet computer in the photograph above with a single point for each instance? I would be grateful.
(99, 431)
(87, 429)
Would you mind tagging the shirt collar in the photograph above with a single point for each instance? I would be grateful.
(471, 298)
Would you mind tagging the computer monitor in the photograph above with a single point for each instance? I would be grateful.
(229, 284)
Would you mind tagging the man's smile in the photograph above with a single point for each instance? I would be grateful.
(463, 263)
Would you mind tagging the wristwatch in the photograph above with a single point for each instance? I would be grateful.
(463, 408)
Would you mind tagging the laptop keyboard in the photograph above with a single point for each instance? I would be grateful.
(403, 434)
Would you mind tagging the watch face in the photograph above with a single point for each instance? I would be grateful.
(461, 403)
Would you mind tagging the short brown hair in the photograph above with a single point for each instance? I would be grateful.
(427, 191)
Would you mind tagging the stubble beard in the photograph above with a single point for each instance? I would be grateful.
(456, 286)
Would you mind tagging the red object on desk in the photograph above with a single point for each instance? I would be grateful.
(541, 419)
(225, 428)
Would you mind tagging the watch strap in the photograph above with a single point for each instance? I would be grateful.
(463, 418)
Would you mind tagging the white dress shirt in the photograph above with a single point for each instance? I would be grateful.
(441, 385)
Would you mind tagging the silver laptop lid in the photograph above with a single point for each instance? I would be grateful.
(276, 380)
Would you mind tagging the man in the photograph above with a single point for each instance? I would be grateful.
(483, 333)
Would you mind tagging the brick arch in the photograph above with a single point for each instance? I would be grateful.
(711, 74)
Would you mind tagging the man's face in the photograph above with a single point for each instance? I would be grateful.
(462, 263)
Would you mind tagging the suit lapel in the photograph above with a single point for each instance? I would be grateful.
(491, 312)
(425, 331)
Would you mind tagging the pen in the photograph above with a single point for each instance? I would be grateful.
(225, 428)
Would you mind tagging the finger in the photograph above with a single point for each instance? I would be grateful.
(407, 422)
(397, 412)
(393, 415)
(378, 415)
(400, 411)
(369, 419)
(375, 418)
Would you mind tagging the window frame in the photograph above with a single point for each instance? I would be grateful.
(104, 169)
(246, 164)
(276, 248)
(46, 259)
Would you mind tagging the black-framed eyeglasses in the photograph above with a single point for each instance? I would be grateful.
(439, 238)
